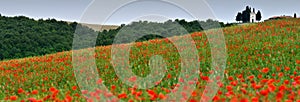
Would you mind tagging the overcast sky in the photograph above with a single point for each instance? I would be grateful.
(72, 10)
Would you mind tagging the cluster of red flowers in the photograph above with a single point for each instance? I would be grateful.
(262, 65)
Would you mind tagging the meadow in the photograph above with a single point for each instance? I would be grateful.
(263, 64)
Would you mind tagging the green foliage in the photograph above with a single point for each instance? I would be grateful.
(23, 37)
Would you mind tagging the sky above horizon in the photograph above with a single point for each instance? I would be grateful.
(72, 10)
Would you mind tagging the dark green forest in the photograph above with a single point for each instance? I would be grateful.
(21, 36)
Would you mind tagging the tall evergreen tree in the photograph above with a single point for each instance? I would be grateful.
(246, 16)
(239, 17)
(248, 9)
(295, 15)
(258, 16)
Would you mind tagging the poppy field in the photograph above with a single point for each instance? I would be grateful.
(263, 65)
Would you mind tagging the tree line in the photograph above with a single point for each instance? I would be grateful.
(21, 36)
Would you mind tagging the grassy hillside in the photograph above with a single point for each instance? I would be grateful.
(263, 65)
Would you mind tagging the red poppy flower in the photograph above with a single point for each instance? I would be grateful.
(229, 88)
(52, 89)
(282, 87)
(287, 68)
(13, 98)
(220, 92)
(216, 98)
(255, 99)
(169, 76)
(161, 96)
(244, 100)
(206, 78)
(279, 95)
(151, 92)
(74, 87)
(35, 92)
(251, 77)
(68, 98)
(264, 80)
(113, 87)
(230, 78)
(123, 95)
(280, 74)
(264, 92)
(20, 90)
(271, 87)
(286, 81)
(298, 61)
(259, 76)
(265, 70)
(234, 99)
(243, 90)
(234, 83)
(193, 100)
(139, 93)
(194, 93)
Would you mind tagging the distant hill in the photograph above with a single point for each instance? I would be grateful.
(100, 27)
(97, 27)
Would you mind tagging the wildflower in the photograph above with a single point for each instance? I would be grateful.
(251, 77)
(264, 92)
(287, 68)
(229, 88)
(282, 87)
(255, 99)
(279, 95)
(161, 96)
(169, 76)
(113, 87)
(52, 89)
(216, 98)
(34, 92)
(13, 98)
(206, 78)
(298, 61)
(123, 95)
(20, 90)
(68, 98)
(271, 87)
(230, 78)
(265, 70)
(244, 100)
(74, 87)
